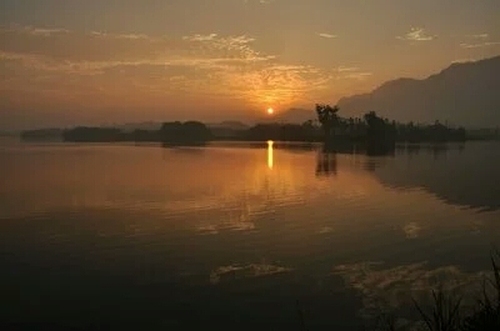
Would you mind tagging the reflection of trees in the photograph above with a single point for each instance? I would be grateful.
(436, 149)
(370, 165)
(458, 175)
(327, 116)
(326, 164)
(413, 149)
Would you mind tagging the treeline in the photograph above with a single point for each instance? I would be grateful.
(372, 127)
(42, 134)
(330, 128)
(370, 131)
(186, 133)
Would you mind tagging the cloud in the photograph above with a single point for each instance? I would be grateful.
(480, 45)
(29, 30)
(476, 44)
(355, 73)
(358, 75)
(262, 2)
(245, 271)
(346, 69)
(325, 230)
(412, 230)
(199, 37)
(132, 36)
(209, 64)
(327, 35)
(478, 36)
(416, 34)
(462, 61)
(106, 50)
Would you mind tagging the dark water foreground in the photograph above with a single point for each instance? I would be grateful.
(239, 236)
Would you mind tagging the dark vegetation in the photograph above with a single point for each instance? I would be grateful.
(378, 135)
(371, 132)
(42, 134)
(448, 313)
(186, 133)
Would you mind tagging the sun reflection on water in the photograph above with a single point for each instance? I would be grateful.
(270, 154)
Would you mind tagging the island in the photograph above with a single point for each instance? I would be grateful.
(371, 132)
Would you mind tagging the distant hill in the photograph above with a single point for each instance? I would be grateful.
(228, 125)
(52, 134)
(292, 115)
(129, 127)
(8, 134)
(227, 129)
(462, 94)
(152, 126)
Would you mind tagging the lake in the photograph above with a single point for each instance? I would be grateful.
(236, 236)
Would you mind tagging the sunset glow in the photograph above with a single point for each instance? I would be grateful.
(270, 111)
(134, 63)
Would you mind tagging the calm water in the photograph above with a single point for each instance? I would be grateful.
(233, 236)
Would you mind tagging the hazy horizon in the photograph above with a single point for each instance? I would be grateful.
(93, 63)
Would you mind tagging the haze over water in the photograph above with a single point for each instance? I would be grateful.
(239, 235)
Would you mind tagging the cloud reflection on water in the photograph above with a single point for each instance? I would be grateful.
(390, 288)
(245, 271)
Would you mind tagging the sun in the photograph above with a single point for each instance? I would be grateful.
(270, 111)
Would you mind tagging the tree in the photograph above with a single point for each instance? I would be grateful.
(327, 116)
(190, 132)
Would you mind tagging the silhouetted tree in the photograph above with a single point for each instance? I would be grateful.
(92, 134)
(327, 116)
(42, 135)
(381, 135)
(191, 132)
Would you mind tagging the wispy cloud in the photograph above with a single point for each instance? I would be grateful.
(346, 69)
(358, 75)
(200, 37)
(208, 64)
(43, 32)
(417, 34)
(262, 2)
(478, 36)
(479, 45)
(395, 287)
(132, 36)
(480, 40)
(327, 35)
(462, 61)
(246, 271)
(350, 72)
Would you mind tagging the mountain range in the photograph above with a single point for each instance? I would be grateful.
(292, 115)
(465, 94)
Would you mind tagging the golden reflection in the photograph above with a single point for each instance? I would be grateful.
(270, 154)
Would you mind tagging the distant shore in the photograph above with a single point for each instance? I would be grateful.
(306, 133)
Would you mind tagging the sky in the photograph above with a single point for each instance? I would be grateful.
(70, 62)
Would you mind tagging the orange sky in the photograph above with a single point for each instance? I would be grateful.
(93, 62)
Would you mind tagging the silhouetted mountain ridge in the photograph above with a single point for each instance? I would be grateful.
(291, 116)
(463, 94)
(230, 125)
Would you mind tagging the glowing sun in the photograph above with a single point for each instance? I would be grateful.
(270, 111)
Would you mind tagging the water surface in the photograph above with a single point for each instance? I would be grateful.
(246, 236)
